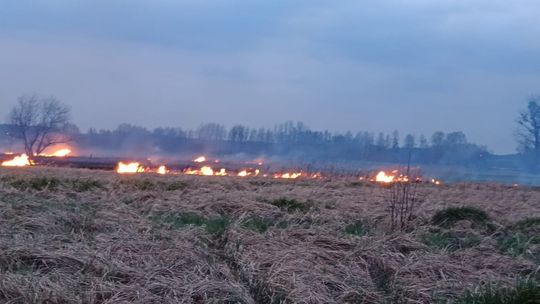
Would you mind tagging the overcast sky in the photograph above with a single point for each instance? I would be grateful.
(417, 65)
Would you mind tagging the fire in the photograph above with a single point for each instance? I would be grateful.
(383, 178)
(162, 170)
(221, 172)
(200, 159)
(58, 153)
(18, 161)
(129, 168)
(288, 175)
(206, 170)
(246, 172)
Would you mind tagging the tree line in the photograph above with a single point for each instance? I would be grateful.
(40, 122)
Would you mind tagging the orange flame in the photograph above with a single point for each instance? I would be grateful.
(162, 170)
(58, 153)
(288, 175)
(129, 168)
(18, 161)
(383, 178)
(221, 172)
(247, 172)
(207, 171)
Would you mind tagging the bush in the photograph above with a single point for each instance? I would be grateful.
(448, 217)
(524, 291)
(290, 205)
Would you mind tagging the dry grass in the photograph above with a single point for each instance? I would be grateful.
(79, 236)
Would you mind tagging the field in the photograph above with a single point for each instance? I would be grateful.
(80, 236)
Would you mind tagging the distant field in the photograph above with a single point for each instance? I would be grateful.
(80, 236)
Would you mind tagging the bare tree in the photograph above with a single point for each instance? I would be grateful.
(529, 127)
(40, 122)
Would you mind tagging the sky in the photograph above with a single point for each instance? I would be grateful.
(417, 66)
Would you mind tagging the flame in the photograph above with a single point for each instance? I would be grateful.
(18, 161)
(221, 172)
(129, 168)
(200, 159)
(383, 178)
(317, 175)
(288, 175)
(248, 172)
(207, 171)
(58, 153)
(162, 170)
(9, 153)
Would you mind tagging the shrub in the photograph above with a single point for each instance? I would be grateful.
(290, 205)
(448, 217)
(523, 291)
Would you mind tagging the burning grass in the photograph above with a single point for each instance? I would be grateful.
(76, 236)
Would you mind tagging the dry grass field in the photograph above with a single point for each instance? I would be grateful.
(79, 236)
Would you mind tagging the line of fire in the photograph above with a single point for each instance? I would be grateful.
(200, 165)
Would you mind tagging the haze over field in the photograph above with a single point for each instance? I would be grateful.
(417, 66)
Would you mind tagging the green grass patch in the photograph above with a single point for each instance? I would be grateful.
(358, 228)
(448, 217)
(215, 226)
(450, 240)
(524, 291)
(517, 238)
(258, 224)
(290, 205)
(528, 225)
